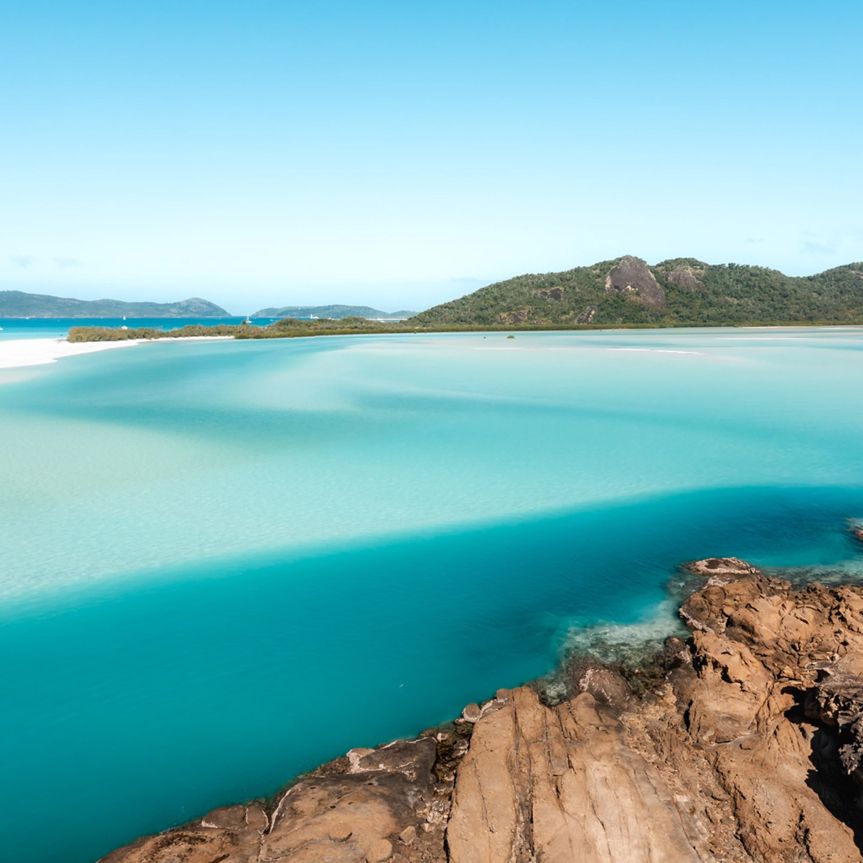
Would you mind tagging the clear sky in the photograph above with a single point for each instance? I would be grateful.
(405, 153)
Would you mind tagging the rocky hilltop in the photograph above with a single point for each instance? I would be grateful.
(742, 742)
(677, 292)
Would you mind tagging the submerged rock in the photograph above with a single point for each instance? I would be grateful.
(747, 748)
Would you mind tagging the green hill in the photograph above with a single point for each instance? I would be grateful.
(333, 312)
(678, 292)
(17, 304)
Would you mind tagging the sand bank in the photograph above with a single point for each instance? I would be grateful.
(18, 353)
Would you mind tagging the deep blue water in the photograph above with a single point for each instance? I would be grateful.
(227, 562)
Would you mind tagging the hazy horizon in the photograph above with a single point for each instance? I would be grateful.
(400, 156)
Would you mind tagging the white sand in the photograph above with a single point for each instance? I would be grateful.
(18, 353)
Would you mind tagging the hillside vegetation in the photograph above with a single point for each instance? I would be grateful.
(285, 328)
(679, 292)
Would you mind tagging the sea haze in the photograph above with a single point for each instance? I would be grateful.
(225, 562)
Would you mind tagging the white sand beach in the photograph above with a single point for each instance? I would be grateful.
(19, 353)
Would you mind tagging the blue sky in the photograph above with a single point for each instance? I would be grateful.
(405, 153)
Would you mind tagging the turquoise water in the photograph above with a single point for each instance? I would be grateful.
(226, 562)
(41, 328)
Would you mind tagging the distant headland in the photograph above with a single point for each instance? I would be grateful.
(18, 304)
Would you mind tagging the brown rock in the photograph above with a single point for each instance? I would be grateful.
(710, 566)
(837, 702)
(380, 851)
(605, 684)
(471, 713)
(561, 784)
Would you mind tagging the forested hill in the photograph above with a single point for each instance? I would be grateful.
(17, 304)
(678, 292)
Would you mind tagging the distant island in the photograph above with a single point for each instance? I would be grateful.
(627, 291)
(332, 312)
(18, 304)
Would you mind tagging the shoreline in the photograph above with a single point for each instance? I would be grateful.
(737, 741)
(27, 352)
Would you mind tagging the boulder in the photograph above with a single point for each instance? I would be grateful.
(710, 566)
(632, 277)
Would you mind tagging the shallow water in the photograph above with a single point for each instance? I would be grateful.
(226, 562)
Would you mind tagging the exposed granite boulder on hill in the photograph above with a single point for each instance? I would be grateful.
(631, 276)
(686, 276)
(747, 749)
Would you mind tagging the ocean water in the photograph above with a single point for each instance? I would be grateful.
(41, 328)
(222, 563)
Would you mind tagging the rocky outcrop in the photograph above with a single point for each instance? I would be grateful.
(555, 294)
(632, 277)
(514, 317)
(586, 316)
(565, 783)
(370, 806)
(686, 276)
(748, 747)
(720, 566)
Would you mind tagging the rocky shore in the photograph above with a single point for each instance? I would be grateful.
(745, 744)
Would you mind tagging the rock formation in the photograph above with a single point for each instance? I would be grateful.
(686, 276)
(749, 747)
(632, 276)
